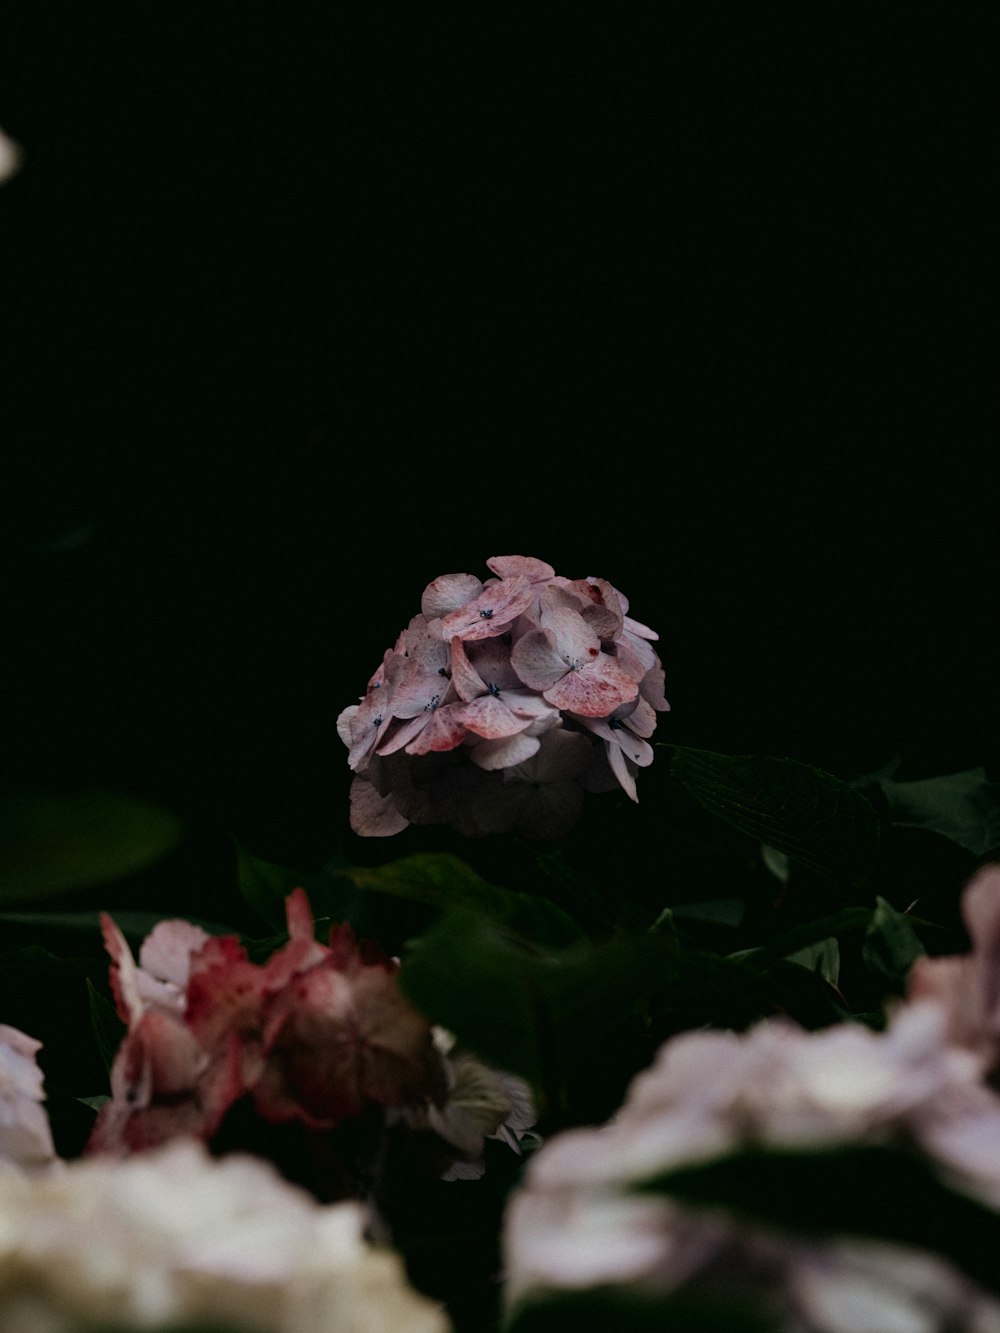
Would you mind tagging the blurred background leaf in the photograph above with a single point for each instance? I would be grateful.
(52, 843)
(814, 818)
(964, 807)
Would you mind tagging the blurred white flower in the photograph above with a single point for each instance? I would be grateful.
(575, 1222)
(174, 1235)
(10, 157)
(25, 1136)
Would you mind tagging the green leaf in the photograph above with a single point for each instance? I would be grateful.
(808, 933)
(814, 818)
(526, 1009)
(862, 1191)
(107, 1027)
(714, 911)
(963, 807)
(95, 1103)
(891, 945)
(265, 886)
(50, 843)
(823, 958)
(443, 881)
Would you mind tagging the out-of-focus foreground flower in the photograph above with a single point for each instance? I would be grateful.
(967, 985)
(10, 157)
(501, 703)
(576, 1222)
(318, 1036)
(25, 1136)
(174, 1236)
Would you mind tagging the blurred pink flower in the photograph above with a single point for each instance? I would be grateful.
(314, 1034)
(967, 986)
(577, 1221)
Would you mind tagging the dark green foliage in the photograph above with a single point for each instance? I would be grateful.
(51, 843)
(861, 1191)
(817, 820)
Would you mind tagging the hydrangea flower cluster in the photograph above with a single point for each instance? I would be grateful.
(501, 703)
(175, 1236)
(318, 1035)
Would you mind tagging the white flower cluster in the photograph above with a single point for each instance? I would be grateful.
(575, 1223)
(501, 703)
(173, 1236)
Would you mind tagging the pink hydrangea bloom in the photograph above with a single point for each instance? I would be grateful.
(501, 703)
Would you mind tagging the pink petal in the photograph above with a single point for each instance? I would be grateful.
(509, 566)
(506, 752)
(448, 593)
(491, 718)
(443, 731)
(166, 951)
(621, 770)
(595, 690)
(123, 977)
(491, 612)
(464, 676)
(651, 688)
(636, 627)
(537, 660)
(373, 815)
(576, 641)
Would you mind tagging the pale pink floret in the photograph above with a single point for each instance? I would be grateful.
(491, 612)
(564, 662)
(624, 735)
(495, 702)
(537, 572)
(448, 593)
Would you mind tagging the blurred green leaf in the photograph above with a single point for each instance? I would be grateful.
(814, 818)
(715, 911)
(95, 1103)
(265, 886)
(107, 1027)
(527, 1009)
(823, 958)
(776, 862)
(862, 1191)
(49, 843)
(891, 945)
(807, 933)
(443, 881)
(963, 807)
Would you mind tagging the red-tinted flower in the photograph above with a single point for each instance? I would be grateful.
(315, 1034)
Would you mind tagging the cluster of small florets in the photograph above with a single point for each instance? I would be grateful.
(317, 1036)
(501, 703)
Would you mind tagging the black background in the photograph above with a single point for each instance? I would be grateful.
(304, 305)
